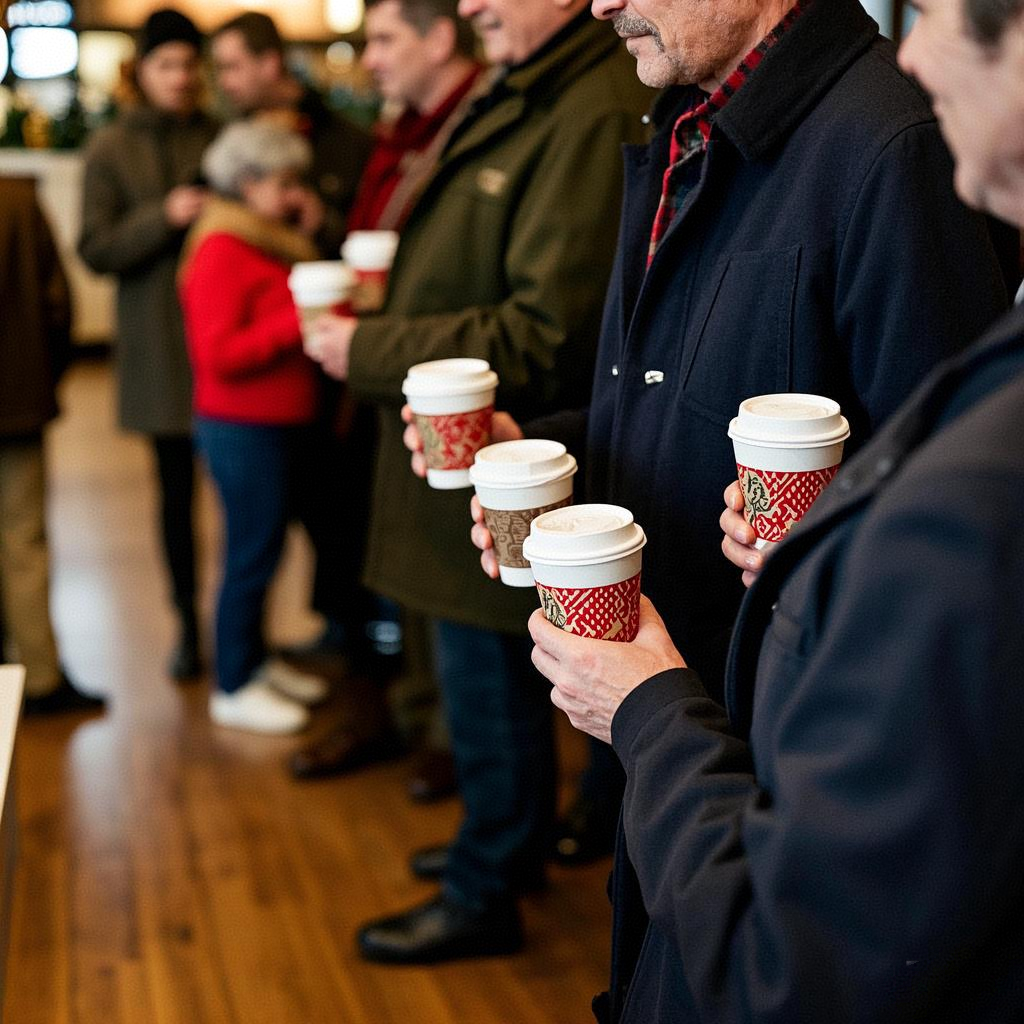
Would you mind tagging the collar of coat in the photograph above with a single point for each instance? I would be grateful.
(790, 80)
(227, 217)
(503, 96)
(582, 43)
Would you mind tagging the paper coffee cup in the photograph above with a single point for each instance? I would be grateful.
(516, 481)
(452, 400)
(586, 561)
(370, 255)
(318, 287)
(788, 448)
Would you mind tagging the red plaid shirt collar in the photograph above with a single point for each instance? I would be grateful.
(692, 129)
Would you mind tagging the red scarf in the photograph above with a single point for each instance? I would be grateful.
(411, 133)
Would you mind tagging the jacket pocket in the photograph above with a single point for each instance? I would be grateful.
(744, 343)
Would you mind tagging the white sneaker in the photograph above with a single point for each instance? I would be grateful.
(257, 707)
(304, 687)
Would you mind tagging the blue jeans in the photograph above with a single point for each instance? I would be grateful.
(502, 734)
(251, 467)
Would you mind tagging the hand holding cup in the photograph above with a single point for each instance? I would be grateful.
(788, 448)
(503, 428)
(738, 542)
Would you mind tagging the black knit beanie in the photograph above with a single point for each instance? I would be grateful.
(167, 26)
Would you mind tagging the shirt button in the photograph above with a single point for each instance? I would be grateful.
(615, 370)
(653, 377)
(646, 119)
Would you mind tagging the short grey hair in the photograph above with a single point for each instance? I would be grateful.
(253, 148)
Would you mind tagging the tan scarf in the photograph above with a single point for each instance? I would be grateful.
(225, 216)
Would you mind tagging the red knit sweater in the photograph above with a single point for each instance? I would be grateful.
(243, 334)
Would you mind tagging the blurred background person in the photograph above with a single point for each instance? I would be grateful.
(255, 399)
(141, 193)
(35, 344)
(422, 58)
(251, 71)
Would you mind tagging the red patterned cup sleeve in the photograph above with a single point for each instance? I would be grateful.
(773, 502)
(601, 613)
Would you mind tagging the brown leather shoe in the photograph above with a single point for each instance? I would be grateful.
(431, 776)
(345, 749)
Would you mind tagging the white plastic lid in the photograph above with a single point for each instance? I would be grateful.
(789, 420)
(583, 535)
(370, 250)
(321, 275)
(449, 377)
(521, 463)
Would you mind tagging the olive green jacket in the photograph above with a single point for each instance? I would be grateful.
(506, 257)
(130, 166)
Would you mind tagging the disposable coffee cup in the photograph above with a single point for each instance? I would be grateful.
(788, 448)
(370, 255)
(516, 481)
(586, 561)
(319, 287)
(453, 401)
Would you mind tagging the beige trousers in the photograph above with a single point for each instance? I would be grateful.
(25, 564)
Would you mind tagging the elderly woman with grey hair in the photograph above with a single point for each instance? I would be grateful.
(255, 397)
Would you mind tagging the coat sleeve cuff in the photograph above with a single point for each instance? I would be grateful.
(647, 700)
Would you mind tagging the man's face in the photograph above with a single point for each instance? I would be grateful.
(513, 30)
(681, 42)
(244, 77)
(401, 61)
(978, 95)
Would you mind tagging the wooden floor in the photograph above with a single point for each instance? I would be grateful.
(171, 873)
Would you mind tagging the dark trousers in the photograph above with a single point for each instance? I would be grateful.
(175, 465)
(500, 719)
(252, 467)
(330, 497)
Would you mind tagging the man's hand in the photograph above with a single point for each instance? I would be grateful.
(592, 678)
(738, 542)
(182, 205)
(331, 343)
(481, 538)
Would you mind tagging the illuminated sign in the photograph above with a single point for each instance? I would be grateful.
(43, 52)
(40, 14)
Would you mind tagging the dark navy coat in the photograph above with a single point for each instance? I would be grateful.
(848, 846)
(823, 250)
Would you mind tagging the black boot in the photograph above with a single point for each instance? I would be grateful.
(442, 929)
(585, 834)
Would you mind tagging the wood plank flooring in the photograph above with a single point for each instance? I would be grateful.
(171, 873)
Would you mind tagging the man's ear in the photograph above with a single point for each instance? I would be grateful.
(440, 41)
